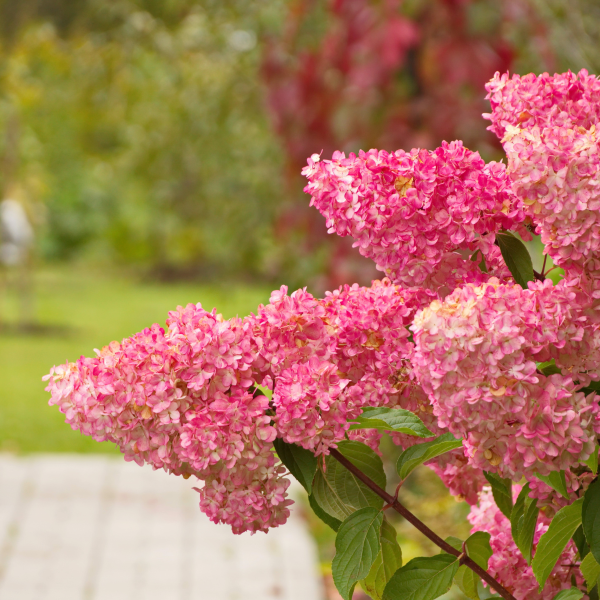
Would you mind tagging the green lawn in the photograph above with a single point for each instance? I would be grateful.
(87, 310)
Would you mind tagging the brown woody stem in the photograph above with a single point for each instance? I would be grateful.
(538, 276)
(436, 539)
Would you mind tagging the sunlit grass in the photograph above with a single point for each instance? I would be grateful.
(82, 309)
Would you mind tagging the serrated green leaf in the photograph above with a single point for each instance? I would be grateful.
(478, 548)
(523, 520)
(422, 578)
(392, 419)
(356, 548)
(338, 492)
(557, 481)
(301, 463)
(592, 461)
(591, 518)
(570, 594)
(325, 517)
(466, 580)
(388, 561)
(553, 542)
(455, 542)
(502, 492)
(414, 456)
(590, 569)
(580, 541)
(516, 257)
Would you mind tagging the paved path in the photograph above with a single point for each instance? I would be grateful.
(98, 528)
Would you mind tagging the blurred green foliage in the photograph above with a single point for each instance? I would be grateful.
(139, 126)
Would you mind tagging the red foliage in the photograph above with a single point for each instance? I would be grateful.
(366, 75)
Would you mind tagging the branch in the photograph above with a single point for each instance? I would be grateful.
(538, 276)
(413, 520)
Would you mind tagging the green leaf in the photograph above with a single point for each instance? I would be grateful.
(516, 257)
(338, 492)
(570, 594)
(592, 461)
(422, 578)
(502, 492)
(580, 541)
(325, 517)
(414, 456)
(590, 569)
(591, 518)
(265, 391)
(557, 481)
(482, 266)
(478, 548)
(455, 542)
(392, 419)
(356, 548)
(485, 593)
(551, 370)
(466, 580)
(553, 542)
(388, 561)
(301, 463)
(523, 520)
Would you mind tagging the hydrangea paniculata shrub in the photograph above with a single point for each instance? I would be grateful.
(470, 360)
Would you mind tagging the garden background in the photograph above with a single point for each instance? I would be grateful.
(156, 147)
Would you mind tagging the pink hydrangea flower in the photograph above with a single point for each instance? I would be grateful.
(463, 481)
(311, 407)
(127, 394)
(549, 500)
(248, 499)
(476, 356)
(412, 212)
(180, 401)
(327, 359)
(530, 101)
(548, 128)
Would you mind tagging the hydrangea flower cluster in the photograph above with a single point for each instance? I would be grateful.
(538, 101)
(186, 400)
(179, 400)
(507, 564)
(449, 336)
(411, 211)
(548, 129)
(475, 355)
(127, 394)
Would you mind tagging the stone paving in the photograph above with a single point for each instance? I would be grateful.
(76, 527)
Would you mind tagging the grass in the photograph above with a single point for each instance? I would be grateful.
(82, 309)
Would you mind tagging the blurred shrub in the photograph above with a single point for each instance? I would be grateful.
(141, 126)
(574, 31)
(388, 74)
(137, 128)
